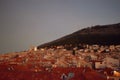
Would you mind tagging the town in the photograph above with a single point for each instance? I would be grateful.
(95, 57)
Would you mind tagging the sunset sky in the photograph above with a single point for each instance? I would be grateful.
(27, 23)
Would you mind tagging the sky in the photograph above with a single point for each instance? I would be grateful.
(28, 23)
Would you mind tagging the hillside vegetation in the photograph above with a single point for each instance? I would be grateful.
(99, 34)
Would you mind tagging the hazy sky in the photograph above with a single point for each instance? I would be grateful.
(26, 23)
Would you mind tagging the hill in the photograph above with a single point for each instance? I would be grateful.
(99, 34)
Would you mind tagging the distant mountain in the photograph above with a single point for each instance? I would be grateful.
(99, 34)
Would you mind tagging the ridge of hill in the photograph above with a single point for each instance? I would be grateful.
(99, 34)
